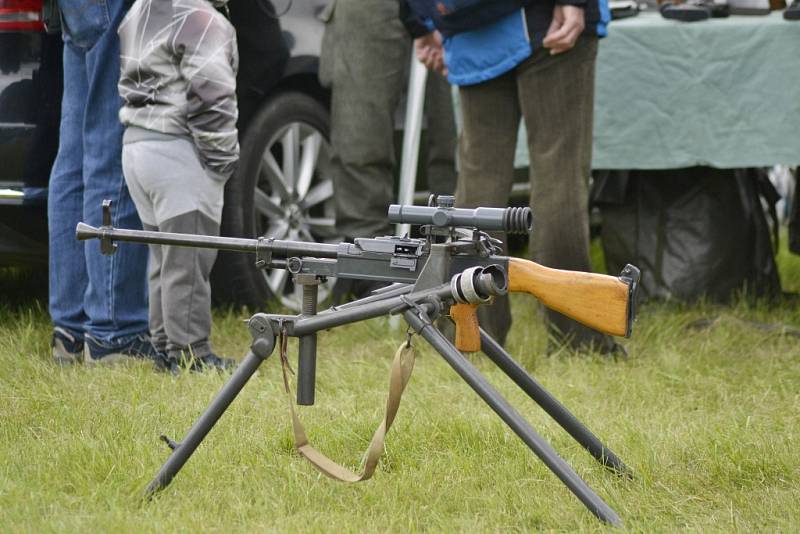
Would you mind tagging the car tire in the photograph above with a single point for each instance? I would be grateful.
(281, 190)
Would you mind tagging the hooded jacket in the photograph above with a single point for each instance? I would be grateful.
(178, 76)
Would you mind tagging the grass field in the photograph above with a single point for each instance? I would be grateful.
(708, 418)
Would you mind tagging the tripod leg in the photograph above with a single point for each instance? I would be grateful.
(550, 404)
(512, 418)
(183, 450)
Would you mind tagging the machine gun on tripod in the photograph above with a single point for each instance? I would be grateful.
(451, 270)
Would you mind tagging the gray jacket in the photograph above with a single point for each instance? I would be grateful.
(179, 61)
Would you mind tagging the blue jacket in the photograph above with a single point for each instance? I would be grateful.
(497, 46)
(456, 16)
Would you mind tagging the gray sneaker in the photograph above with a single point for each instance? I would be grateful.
(65, 347)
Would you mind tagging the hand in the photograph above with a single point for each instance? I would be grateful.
(567, 26)
(430, 52)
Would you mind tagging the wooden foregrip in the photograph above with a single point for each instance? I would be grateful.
(598, 301)
(468, 334)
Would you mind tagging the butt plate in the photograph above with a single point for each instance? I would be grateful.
(631, 275)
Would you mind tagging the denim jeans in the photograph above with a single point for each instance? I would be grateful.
(103, 296)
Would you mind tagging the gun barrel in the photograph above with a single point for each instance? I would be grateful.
(510, 220)
(278, 248)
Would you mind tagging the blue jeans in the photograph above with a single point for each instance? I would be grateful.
(103, 296)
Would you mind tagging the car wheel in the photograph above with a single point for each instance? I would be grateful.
(282, 190)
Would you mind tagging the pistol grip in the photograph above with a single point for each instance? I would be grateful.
(468, 335)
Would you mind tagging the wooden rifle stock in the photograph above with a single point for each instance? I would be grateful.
(599, 301)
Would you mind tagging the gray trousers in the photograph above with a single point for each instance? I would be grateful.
(554, 95)
(365, 59)
(173, 193)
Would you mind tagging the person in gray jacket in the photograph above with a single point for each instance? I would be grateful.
(364, 60)
(178, 85)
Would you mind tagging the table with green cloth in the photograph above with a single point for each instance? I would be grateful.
(722, 93)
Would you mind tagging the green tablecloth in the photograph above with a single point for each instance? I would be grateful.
(723, 92)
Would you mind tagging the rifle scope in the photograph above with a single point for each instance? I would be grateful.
(510, 220)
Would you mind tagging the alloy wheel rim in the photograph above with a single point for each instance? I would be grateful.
(293, 200)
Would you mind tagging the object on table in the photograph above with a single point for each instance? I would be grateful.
(793, 11)
(622, 9)
(719, 9)
(749, 7)
(694, 10)
(684, 12)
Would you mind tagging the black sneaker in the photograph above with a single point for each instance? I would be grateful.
(65, 347)
(209, 361)
(166, 364)
(140, 347)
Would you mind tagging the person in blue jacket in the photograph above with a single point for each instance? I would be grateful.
(535, 61)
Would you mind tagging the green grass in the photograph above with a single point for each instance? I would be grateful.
(708, 418)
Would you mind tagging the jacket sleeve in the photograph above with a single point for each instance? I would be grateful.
(209, 61)
(414, 24)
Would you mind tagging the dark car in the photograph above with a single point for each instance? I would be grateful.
(281, 189)
(30, 101)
